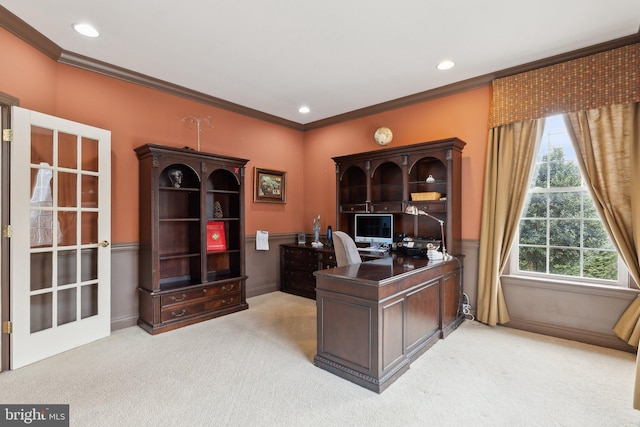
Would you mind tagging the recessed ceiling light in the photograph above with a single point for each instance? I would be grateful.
(304, 109)
(445, 65)
(87, 30)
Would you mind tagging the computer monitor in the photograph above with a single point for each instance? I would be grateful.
(374, 229)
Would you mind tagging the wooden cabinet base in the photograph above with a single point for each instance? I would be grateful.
(200, 317)
(163, 311)
(374, 319)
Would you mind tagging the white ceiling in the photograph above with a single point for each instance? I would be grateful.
(335, 56)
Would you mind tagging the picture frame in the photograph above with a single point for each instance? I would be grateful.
(269, 186)
(302, 238)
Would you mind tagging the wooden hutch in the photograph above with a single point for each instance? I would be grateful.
(382, 181)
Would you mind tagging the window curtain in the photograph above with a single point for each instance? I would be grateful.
(608, 143)
(594, 86)
(510, 160)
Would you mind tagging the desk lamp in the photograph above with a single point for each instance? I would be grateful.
(413, 210)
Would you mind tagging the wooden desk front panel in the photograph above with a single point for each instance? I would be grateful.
(370, 330)
(422, 315)
(346, 332)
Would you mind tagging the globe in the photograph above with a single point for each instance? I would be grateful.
(383, 136)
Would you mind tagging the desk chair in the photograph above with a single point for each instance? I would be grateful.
(346, 249)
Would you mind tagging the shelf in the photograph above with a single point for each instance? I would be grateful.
(227, 251)
(177, 255)
(223, 191)
(423, 182)
(179, 189)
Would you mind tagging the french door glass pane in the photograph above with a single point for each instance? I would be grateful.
(89, 228)
(67, 267)
(89, 301)
(67, 150)
(68, 233)
(89, 268)
(67, 194)
(41, 310)
(89, 191)
(41, 270)
(67, 306)
(41, 145)
(89, 155)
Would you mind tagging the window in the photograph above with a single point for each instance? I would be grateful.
(560, 232)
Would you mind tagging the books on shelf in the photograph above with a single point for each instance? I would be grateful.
(215, 236)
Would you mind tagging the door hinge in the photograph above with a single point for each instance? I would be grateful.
(7, 135)
(7, 327)
(7, 231)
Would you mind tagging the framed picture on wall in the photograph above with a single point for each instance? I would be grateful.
(269, 186)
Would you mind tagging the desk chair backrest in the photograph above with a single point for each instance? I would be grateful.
(346, 249)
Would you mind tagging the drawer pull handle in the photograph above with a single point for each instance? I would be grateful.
(179, 299)
(182, 313)
(227, 301)
(228, 288)
(204, 291)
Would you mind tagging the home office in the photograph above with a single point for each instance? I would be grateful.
(138, 111)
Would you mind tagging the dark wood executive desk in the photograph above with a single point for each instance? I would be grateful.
(377, 317)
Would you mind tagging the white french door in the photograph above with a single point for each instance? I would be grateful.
(60, 268)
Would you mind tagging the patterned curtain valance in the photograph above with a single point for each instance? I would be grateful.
(594, 81)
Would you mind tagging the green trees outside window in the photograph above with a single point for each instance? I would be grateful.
(560, 230)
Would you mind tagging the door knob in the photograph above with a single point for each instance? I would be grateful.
(104, 243)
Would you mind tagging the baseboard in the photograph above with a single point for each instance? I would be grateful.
(261, 290)
(587, 337)
(123, 322)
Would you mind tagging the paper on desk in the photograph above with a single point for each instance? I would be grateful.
(262, 240)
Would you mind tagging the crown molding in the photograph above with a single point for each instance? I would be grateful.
(474, 83)
(31, 36)
(90, 64)
(28, 34)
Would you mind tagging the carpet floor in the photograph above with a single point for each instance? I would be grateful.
(256, 367)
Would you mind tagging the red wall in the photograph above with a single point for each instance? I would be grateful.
(463, 115)
(136, 115)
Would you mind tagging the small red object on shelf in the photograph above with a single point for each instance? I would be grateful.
(215, 236)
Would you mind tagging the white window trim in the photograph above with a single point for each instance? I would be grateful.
(512, 270)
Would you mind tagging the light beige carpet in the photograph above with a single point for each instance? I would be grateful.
(254, 368)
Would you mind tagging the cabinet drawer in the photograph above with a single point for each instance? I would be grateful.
(301, 252)
(299, 276)
(353, 207)
(205, 292)
(301, 286)
(327, 260)
(304, 264)
(181, 311)
(386, 207)
(433, 206)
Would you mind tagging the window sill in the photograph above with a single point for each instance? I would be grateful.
(568, 286)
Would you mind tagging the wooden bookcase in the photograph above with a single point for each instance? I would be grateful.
(382, 181)
(192, 265)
